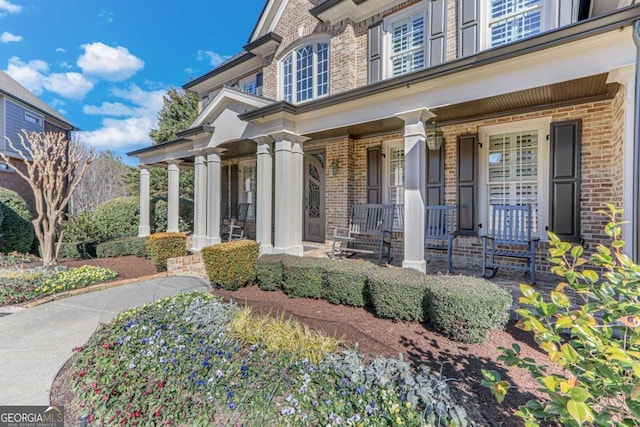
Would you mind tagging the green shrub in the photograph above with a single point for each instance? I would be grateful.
(346, 283)
(304, 277)
(121, 247)
(162, 246)
(398, 293)
(159, 215)
(466, 308)
(83, 250)
(16, 230)
(231, 264)
(594, 339)
(269, 274)
(80, 236)
(116, 218)
(1, 217)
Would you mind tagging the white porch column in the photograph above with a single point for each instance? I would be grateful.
(264, 193)
(414, 187)
(144, 228)
(173, 195)
(200, 202)
(214, 171)
(627, 77)
(288, 223)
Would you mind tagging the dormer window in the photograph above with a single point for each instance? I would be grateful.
(305, 72)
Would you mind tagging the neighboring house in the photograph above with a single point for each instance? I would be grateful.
(20, 109)
(330, 101)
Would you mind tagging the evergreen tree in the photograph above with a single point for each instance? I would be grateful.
(180, 109)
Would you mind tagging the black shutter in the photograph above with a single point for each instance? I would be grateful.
(435, 177)
(224, 188)
(467, 185)
(468, 39)
(374, 175)
(565, 180)
(374, 53)
(437, 31)
(234, 191)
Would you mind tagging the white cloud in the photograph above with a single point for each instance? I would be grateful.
(110, 63)
(214, 58)
(8, 7)
(65, 64)
(35, 76)
(61, 50)
(7, 37)
(125, 132)
(106, 15)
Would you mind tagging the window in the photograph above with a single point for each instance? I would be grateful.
(305, 73)
(405, 41)
(393, 177)
(249, 87)
(512, 20)
(513, 170)
(247, 190)
(32, 118)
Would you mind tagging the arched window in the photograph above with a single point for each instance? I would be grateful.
(305, 72)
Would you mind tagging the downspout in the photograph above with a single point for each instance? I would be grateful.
(636, 151)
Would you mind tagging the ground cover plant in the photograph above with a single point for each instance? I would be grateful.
(21, 285)
(175, 362)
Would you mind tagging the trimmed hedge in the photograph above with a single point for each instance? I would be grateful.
(466, 308)
(304, 277)
(398, 293)
(116, 218)
(232, 265)
(16, 229)
(346, 283)
(162, 246)
(269, 271)
(121, 247)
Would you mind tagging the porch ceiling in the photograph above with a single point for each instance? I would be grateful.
(565, 93)
(242, 148)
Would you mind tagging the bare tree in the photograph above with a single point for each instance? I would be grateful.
(103, 181)
(53, 166)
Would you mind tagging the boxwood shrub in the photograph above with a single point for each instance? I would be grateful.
(16, 229)
(231, 265)
(398, 293)
(269, 274)
(346, 283)
(162, 246)
(304, 277)
(121, 247)
(116, 218)
(465, 308)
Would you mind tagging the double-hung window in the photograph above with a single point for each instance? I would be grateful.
(406, 41)
(513, 171)
(247, 190)
(512, 20)
(393, 177)
(305, 72)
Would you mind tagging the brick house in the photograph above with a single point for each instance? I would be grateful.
(330, 102)
(20, 109)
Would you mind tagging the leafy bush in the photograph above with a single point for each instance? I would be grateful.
(466, 308)
(346, 283)
(159, 215)
(121, 247)
(304, 277)
(597, 343)
(80, 236)
(116, 218)
(398, 293)
(162, 246)
(1, 217)
(16, 230)
(231, 264)
(269, 271)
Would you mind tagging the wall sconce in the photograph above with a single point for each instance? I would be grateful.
(334, 167)
(434, 136)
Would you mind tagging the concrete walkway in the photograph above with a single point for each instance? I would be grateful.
(35, 343)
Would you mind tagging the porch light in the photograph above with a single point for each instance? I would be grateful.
(434, 136)
(334, 167)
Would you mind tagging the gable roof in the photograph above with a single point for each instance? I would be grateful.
(11, 88)
(268, 18)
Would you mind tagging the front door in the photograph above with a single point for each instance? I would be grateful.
(314, 197)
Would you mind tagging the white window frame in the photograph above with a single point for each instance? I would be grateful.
(548, 20)
(247, 82)
(33, 118)
(387, 67)
(542, 126)
(291, 53)
(242, 193)
(387, 146)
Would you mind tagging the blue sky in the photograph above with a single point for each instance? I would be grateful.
(104, 64)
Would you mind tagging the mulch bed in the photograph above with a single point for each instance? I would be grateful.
(374, 336)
